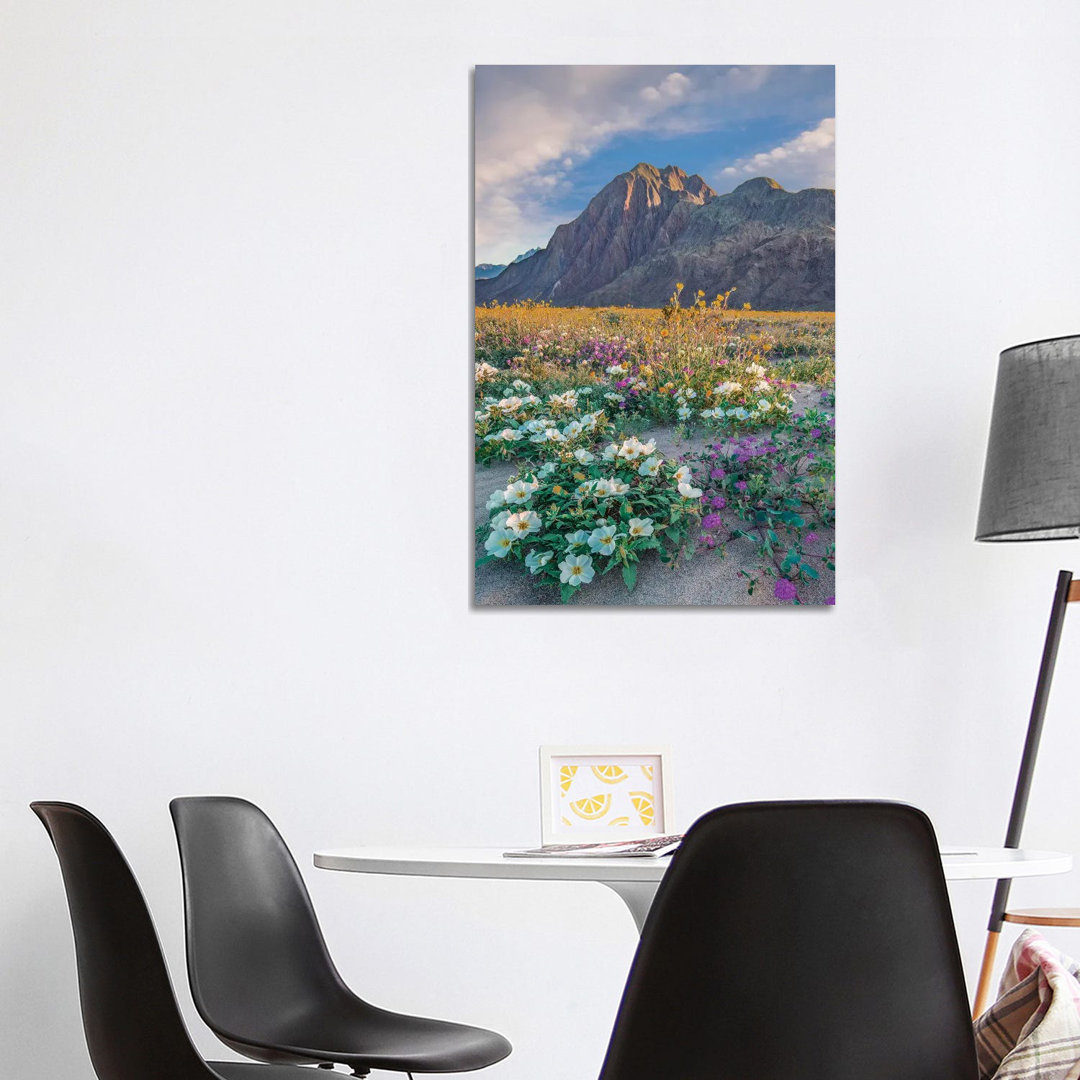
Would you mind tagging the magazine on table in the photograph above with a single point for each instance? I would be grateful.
(649, 847)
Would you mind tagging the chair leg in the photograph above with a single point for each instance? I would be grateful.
(982, 993)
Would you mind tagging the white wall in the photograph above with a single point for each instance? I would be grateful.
(234, 541)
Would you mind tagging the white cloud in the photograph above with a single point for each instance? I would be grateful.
(808, 160)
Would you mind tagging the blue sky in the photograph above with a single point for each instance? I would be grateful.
(548, 138)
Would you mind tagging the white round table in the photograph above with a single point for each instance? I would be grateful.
(636, 879)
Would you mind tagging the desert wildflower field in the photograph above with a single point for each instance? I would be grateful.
(681, 455)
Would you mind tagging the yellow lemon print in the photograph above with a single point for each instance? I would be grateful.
(643, 804)
(591, 808)
(609, 774)
(619, 821)
(567, 822)
(566, 777)
(646, 771)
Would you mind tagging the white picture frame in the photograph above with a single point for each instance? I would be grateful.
(590, 794)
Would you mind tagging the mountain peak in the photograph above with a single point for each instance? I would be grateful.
(649, 228)
(760, 184)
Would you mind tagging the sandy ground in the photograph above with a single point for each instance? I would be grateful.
(706, 580)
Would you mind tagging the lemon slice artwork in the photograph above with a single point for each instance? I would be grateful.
(643, 804)
(566, 777)
(624, 820)
(609, 774)
(592, 808)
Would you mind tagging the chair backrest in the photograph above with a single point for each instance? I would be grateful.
(132, 1022)
(255, 952)
(798, 941)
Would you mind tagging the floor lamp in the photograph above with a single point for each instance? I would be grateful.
(1031, 491)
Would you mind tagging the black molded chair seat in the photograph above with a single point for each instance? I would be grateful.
(365, 1037)
(798, 941)
(133, 1026)
(260, 973)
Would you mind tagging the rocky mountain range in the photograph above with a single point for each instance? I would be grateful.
(490, 270)
(650, 228)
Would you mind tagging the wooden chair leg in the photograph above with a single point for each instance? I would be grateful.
(982, 992)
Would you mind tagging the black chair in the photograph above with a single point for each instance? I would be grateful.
(798, 941)
(260, 973)
(133, 1026)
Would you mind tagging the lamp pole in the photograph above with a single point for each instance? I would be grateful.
(1066, 591)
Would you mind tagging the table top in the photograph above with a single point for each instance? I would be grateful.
(960, 863)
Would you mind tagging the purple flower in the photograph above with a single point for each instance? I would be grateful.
(719, 502)
(717, 474)
(784, 589)
(811, 537)
(815, 433)
(710, 521)
(742, 485)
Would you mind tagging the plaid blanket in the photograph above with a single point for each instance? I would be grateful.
(1032, 1031)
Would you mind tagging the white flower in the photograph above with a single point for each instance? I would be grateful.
(616, 369)
(523, 523)
(576, 539)
(764, 405)
(647, 448)
(650, 467)
(572, 430)
(691, 393)
(566, 400)
(603, 487)
(688, 492)
(510, 434)
(685, 412)
(631, 449)
(756, 370)
(496, 498)
(585, 489)
(610, 451)
(602, 540)
(760, 387)
(584, 456)
(681, 475)
(499, 543)
(617, 487)
(546, 470)
(518, 492)
(499, 520)
(576, 570)
(537, 560)
(484, 371)
(640, 527)
(725, 388)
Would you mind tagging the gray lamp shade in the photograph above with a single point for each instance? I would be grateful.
(1031, 484)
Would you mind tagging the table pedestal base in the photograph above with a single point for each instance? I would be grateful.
(637, 896)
